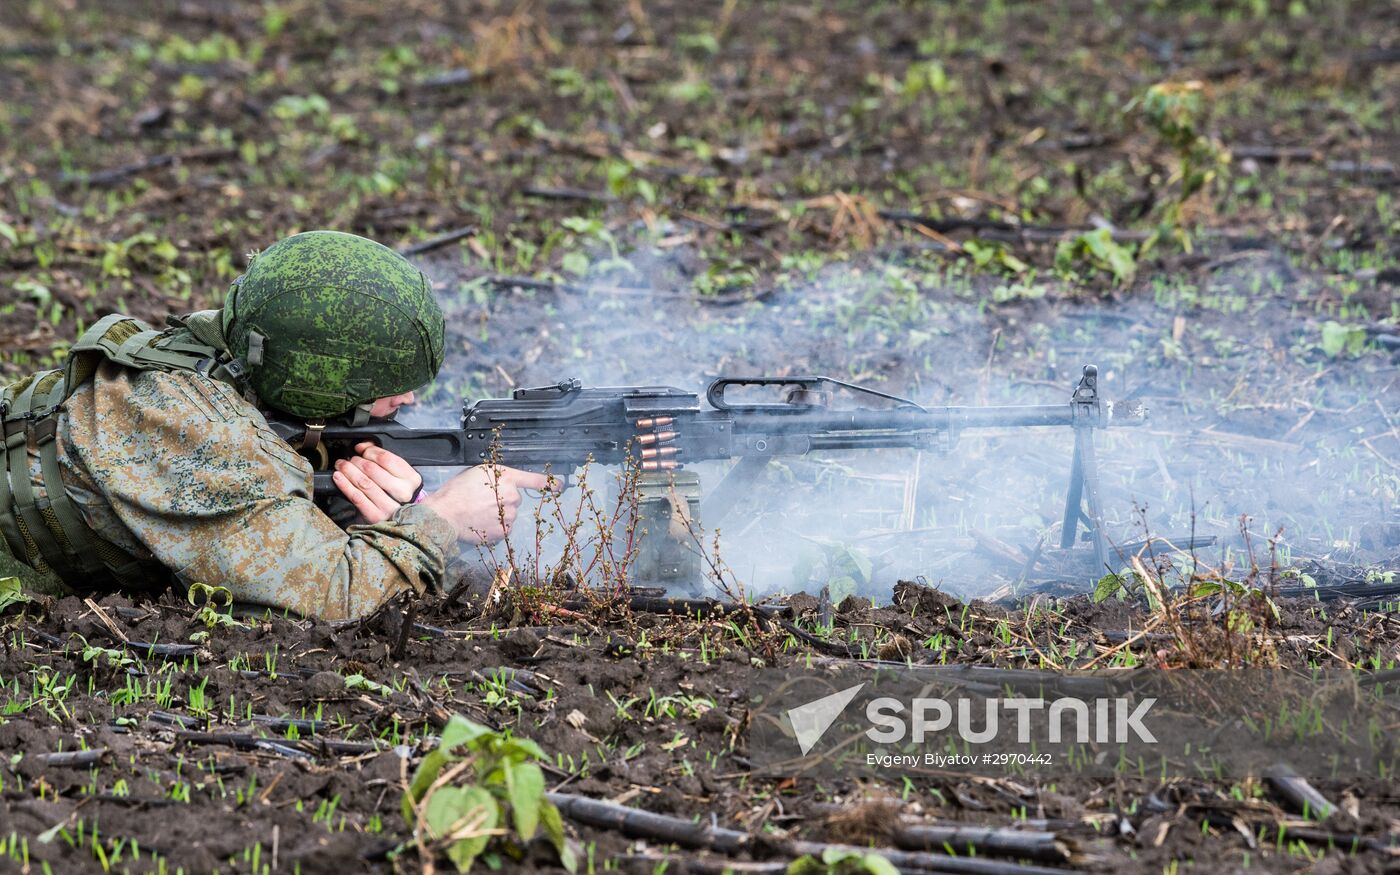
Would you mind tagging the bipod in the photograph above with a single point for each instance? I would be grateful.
(1082, 503)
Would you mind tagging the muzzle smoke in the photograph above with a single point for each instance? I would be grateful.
(1231, 450)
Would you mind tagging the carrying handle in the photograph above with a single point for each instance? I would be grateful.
(805, 394)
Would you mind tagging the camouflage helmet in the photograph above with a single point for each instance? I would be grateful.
(324, 322)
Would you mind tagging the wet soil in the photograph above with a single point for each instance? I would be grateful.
(202, 779)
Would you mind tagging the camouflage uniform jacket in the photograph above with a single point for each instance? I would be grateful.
(178, 469)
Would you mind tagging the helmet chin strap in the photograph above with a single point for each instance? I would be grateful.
(359, 415)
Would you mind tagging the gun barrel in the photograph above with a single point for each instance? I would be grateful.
(1017, 416)
(936, 419)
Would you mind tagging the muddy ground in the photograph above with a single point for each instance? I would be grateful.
(662, 193)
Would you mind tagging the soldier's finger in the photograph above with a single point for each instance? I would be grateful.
(368, 509)
(400, 489)
(371, 490)
(390, 461)
(528, 479)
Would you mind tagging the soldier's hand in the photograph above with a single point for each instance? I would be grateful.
(481, 503)
(376, 481)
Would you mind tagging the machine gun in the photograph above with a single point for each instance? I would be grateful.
(661, 428)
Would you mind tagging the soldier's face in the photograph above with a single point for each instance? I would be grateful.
(389, 406)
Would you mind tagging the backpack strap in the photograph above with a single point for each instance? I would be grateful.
(12, 442)
(54, 536)
(35, 529)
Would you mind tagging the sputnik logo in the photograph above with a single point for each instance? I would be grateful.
(811, 721)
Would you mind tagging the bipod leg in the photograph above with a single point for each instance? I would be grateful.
(1073, 497)
(1082, 501)
(1089, 468)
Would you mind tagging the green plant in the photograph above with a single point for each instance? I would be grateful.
(114, 658)
(994, 256)
(1176, 112)
(1342, 340)
(925, 76)
(464, 790)
(360, 682)
(844, 569)
(1111, 585)
(1099, 251)
(579, 263)
(144, 253)
(11, 593)
(1236, 618)
(836, 861)
(212, 601)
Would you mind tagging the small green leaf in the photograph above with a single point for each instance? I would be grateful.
(1338, 339)
(806, 865)
(553, 825)
(461, 731)
(582, 225)
(1100, 251)
(1108, 586)
(575, 263)
(840, 861)
(525, 787)
(521, 749)
(427, 773)
(1239, 621)
(1204, 588)
(360, 682)
(212, 601)
(1334, 339)
(878, 865)
(838, 588)
(8, 232)
(451, 808)
(11, 593)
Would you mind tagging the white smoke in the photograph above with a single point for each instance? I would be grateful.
(1202, 462)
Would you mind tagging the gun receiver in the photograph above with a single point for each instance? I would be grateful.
(661, 428)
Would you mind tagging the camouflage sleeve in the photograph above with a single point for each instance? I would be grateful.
(191, 471)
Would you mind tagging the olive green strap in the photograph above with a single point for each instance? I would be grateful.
(52, 541)
(11, 441)
(151, 348)
(71, 527)
(49, 549)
